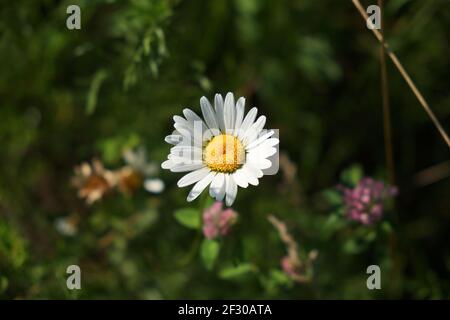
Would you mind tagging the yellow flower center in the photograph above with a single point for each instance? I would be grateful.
(224, 153)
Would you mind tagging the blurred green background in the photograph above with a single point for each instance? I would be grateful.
(312, 67)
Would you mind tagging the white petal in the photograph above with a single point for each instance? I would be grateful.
(240, 177)
(210, 133)
(190, 131)
(229, 113)
(253, 172)
(218, 105)
(180, 120)
(177, 159)
(154, 185)
(189, 135)
(248, 121)
(191, 116)
(173, 139)
(217, 185)
(257, 172)
(167, 164)
(240, 108)
(270, 142)
(185, 131)
(254, 130)
(261, 152)
(188, 152)
(265, 164)
(195, 122)
(250, 175)
(231, 190)
(193, 177)
(261, 139)
(221, 194)
(183, 167)
(208, 113)
(260, 163)
(200, 186)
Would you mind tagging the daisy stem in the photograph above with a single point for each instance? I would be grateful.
(197, 241)
(192, 251)
(204, 201)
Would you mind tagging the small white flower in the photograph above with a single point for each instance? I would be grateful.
(138, 169)
(223, 151)
(154, 185)
(66, 226)
(138, 160)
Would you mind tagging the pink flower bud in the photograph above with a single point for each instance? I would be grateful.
(217, 222)
(364, 202)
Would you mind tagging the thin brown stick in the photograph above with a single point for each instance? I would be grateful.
(302, 271)
(285, 236)
(387, 127)
(433, 174)
(404, 74)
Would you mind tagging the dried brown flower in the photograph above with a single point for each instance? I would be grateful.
(93, 181)
(129, 180)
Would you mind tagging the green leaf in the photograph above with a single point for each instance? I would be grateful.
(209, 252)
(143, 220)
(236, 271)
(279, 277)
(371, 236)
(352, 175)
(351, 246)
(3, 284)
(208, 203)
(13, 251)
(189, 217)
(332, 196)
(333, 223)
(97, 81)
(386, 227)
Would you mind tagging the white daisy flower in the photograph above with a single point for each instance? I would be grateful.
(223, 151)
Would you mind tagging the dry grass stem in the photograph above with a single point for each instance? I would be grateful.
(404, 74)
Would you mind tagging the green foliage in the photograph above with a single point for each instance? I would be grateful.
(237, 271)
(189, 217)
(209, 252)
(91, 103)
(12, 249)
(352, 175)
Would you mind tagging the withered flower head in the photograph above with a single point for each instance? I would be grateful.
(138, 172)
(93, 181)
(129, 179)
